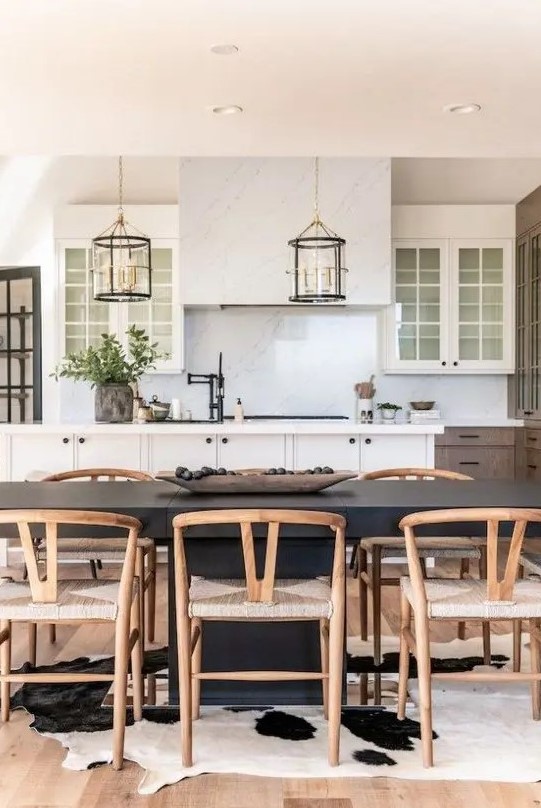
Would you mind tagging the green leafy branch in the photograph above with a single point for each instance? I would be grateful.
(108, 363)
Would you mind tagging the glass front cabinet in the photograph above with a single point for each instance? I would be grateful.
(528, 325)
(453, 309)
(83, 319)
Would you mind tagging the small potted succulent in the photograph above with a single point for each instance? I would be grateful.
(112, 371)
(388, 410)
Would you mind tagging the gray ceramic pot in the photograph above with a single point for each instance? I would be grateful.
(113, 403)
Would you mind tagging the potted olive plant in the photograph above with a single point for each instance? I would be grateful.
(112, 372)
(388, 410)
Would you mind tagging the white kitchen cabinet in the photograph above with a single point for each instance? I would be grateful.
(380, 451)
(251, 451)
(453, 307)
(34, 452)
(340, 452)
(82, 319)
(107, 451)
(168, 451)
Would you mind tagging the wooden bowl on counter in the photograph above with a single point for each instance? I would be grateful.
(422, 405)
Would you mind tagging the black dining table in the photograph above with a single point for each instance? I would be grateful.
(370, 508)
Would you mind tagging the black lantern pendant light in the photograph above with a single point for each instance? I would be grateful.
(318, 274)
(121, 264)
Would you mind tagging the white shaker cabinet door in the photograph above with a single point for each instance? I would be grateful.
(340, 452)
(193, 451)
(396, 451)
(251, 451)
(34, 452)
(107, 451)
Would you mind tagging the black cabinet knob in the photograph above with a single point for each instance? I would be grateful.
(224, 440)
(444, 363)
(455, 364)
(528, 412)
(208, 440)
(65, 440)
(81, 440)
(352, 440)
(368, 440)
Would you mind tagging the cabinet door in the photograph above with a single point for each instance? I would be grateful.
(193, 451)
(417, 322)
(107, 451)
(84, 319)
(533, 330)
(480, 462)
(251, 451)
(340, 452)
(34, 452)
(162, 316)
(482, 315)
(523, 302)
(396, 451)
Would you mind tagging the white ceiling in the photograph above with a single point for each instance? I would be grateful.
(348, 77)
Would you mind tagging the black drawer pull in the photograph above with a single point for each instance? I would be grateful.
(81, 440)
(224, 440)
(469, 436)
(532, 439)
(455, 364)
(528, 412)
(532, 467)
(208, 440)
(65, 440)
(368, 440)
(444, 363)
(352, 440)
(468, 463)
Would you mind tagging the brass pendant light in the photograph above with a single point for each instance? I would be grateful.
(121, 259)
(317, 269)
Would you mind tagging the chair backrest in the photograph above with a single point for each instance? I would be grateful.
(259, 589)
(45, 590)
(497, 589)
(98, 474)
(415, 473)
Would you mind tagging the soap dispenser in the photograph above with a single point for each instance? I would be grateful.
(239, 412)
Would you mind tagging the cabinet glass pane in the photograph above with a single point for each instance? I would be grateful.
(406, 258)
(480, 303)
(418, 310)
(85, 318)
(156, 315)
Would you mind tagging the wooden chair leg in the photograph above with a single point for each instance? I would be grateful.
(151, 688)
(197, 624)
(362, 567)
(184, 633)
(32, 643)
(93, 569)
(517, 645)
(5, 668)
(403, 666)
(324, 651)
(99, 565)
(120, 686)
(536, 668)
(464, 570)
(137, 665)
(336, 662)
(151, 594)
(353, 561)
(422, 643)
(487, 653)
(140, 574)
(376, 618)
(52, 633)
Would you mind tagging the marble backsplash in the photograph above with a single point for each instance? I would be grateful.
(304, 361)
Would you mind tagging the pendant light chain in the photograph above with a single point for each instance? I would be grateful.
(316, 190)
(120, 186)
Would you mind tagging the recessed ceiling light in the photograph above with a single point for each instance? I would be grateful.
(230, 109)
(462, 109)
(224, 50)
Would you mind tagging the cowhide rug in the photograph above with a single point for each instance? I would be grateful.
(482, 732)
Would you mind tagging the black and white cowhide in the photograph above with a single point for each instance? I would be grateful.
(292, 741)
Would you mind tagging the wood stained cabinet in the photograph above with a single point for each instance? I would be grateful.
(484, 453)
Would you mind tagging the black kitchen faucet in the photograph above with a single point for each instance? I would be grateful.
(215, 382)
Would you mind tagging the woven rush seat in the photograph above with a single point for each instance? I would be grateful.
(467, 599)
(76, 600)
(452, 547)
(291, 599)
(93, 549)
